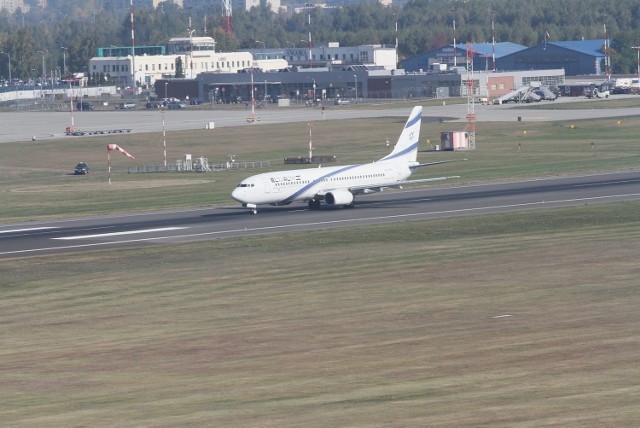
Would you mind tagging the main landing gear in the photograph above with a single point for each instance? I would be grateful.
(314, 204)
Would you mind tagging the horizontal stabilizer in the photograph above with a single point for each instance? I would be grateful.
(426, 180)
(436, 163)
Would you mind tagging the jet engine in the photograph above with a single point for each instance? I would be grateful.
(338, 197)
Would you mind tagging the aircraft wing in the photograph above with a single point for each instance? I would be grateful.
(372, 188)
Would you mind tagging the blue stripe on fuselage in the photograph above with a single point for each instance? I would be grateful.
(293, 196)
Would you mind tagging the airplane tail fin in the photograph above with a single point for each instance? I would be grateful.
(407, 145)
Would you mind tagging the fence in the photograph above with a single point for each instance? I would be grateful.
(182, 166)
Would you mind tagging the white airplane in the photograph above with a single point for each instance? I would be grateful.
(338, 185)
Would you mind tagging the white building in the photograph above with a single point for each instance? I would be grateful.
(334, 55)
(12, 5)
(197, 55)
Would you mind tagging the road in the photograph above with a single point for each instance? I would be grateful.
(21, 126)
(21, 240)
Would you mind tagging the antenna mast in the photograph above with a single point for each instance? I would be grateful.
(133, 52)
(226, 13)
(607, 57)
(493, 39)
(471, 114)
(455, 59)
(310, 65)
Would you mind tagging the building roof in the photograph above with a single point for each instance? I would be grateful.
(588, 47)
(486, 49)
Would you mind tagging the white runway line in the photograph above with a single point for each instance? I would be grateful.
(31, 229)
(128, 232)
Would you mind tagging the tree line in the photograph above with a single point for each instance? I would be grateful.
(68, 32)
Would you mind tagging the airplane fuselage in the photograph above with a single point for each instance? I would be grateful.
(285, 187)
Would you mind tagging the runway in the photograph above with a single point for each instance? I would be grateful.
(229, 222)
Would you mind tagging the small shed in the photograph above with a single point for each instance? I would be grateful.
(454, 140)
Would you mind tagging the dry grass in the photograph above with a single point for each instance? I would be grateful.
(526, 319)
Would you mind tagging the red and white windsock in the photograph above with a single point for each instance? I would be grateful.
(120, 149)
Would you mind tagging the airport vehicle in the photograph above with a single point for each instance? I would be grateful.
(84, 106)
(125, 106)
(81, 169)
(176, 105)
(338, 185)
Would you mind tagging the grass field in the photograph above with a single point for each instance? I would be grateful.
(521, 319)
(35, 180)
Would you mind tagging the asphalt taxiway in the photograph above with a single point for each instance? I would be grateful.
(137, 230)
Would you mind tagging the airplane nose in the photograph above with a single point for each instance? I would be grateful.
(237, 194)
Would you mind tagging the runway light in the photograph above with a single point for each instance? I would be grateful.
(572, 127)
(619, 122)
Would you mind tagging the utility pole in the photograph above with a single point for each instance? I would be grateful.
(44, 69)
(310, 62)
(64, 60)
(455, 56)
(637, 48)
(493, 39)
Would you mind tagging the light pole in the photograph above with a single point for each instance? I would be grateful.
(191, 52)
(8, 56)
(64, 60)
(164, 139)
(637, 48)
(356, 80)
(44, 72)
(308, 53)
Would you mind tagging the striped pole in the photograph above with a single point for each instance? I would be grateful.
(133, 53)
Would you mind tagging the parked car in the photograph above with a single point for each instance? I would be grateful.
(124, 106)
(196, 101)
(81, 169)
(84, 106)
(176, 105)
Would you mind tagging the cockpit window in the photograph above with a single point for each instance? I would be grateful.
(245, 185)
